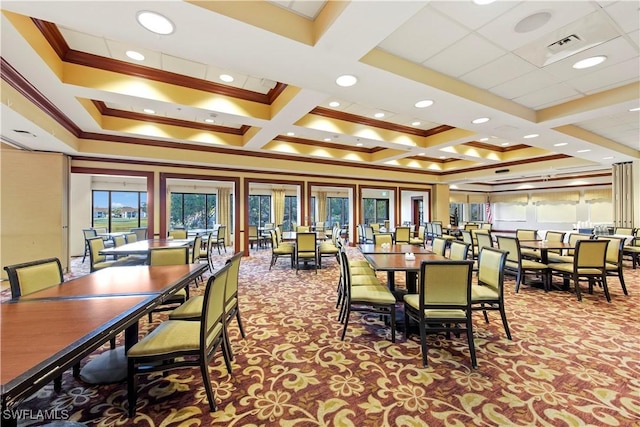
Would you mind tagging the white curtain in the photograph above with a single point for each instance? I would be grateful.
(321, 198)
(278, 205)
(622, 195)
(224, 214)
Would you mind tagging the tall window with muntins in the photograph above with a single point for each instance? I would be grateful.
(118, 210)
(312, 210)
(477, 212)
(259, 210)
(290, 212)
(375, 210)
(338, 210)
(192, 210)
(456, 210)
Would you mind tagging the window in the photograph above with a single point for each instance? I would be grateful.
(192, 210)
(312, 210)
(119, 210)
(290, 212)
(476, 212)
(338, 210)
(375, 210)
(259, 210)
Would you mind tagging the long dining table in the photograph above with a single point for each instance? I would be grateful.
(49, 331)
(392, 262)
(143, 247)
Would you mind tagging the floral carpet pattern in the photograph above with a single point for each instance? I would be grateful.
(570, 363)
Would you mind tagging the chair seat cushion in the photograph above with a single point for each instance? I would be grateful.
(329, 249)
(631, 249)
(180, 296)
(483, 293)
(283, 250)
(375, 294)
(362, 271)
(413, 300)
(612, 267)
(533, 265)
(567, 259)
(307, 254)
(416, 241)
(103, 264)
(365, 280)
(170, 336)
(190, 309)
(358, 263)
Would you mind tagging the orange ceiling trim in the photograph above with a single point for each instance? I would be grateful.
(330, 145)
(514, 163)
(341, 115)
(56, 40)
(489, 147)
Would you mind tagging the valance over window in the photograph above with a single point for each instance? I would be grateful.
(553, 197)
(509, 198)
(599, 194)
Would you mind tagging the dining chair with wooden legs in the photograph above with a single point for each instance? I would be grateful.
(306, 249)
(170, 256)
(614, 259)
(488, 294)
(180, 343)
(443, 302)
(518, 266)
(458, 251)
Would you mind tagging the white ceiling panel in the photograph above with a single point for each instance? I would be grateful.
(626, 14)
(503, 69)
(607, 77)
(465, 55)
(85, 42)
(176, 65)
(541, 98)
(471, 15)
(523, 85)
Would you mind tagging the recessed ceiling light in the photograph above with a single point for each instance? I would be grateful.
(583, 151)
(560, 144)
(589, 62)
(136, 56)
(480, 120)
(155, 22)
(532, 22)
(334, 104)
(327, 139)
(226, 78)
(415, 123)
(607, 158)
(149, 111)
(379, 115)
(209, 120)
(532, 135)
(359, 144)
(424, 103)
(504, 144)
(442, 157)
(635, 109)
(483, 2)
(483, 139)
(346, 80)
(290, 133)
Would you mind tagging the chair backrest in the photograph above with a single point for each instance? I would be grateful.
(512, 246)
(320, 226)
(302, 229)
(178, 234)
(590, 254)
(387, 224)
(471, 226)
(368, 233)
(269, 226)
(119, 240)
(96, 244)
(484, 240)
(573, 240)
(438, 246)
(403, 234)
(486, 226)
(491, 263)
(429, 229)
(375, 226)
(212, 315)
(221, 233)
(140, 232)
(421, 231)
(209, 243)
(458, 251)
(89, 233)
(233, 277)
(445, 284)
(380, 238)
(178, 255)
(278, 233)
(195, 252)
(522, 234)
(100, 230)
(623, 231)
(614, 249)
(274, 239)
(305, 242)
(437, 229)
(131, 237)
(28, 277)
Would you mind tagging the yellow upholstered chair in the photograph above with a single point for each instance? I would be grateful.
(632, 249)
(366, 298)
(518, 266)
(328, 248)
(87, 233)
(443, 302)
(97, 261)
(614, 259)
(485, 240)
(140, 232)
(567, 256)
(255, 237)
(439, 246)
(170, 256)
(302, 229)
(306, 249)
(220, 238)
(402, 235)
(458, 251)
(28, 277)
(468, 239)
(361, 274)
(280, 249)
(375, 227)
(623, 231)
(205, 253)
(381, 238)
(178, 234)
(180, 343)
(488, 294)
(589, 263)
(420, 239)
(522, 234)
(437, 232)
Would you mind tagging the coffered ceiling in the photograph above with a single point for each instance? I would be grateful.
(508, 61)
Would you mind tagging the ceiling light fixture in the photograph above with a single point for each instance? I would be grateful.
(327, 139)
(226, 78)
(589, 62)
(359, 144)
(480, 120)
(607, 158)
(560, 144)
(136, 56)
(483, 2)
(155, 22)
(290, 134)
(583, 151)
(334, 104)
(415, 123)
(424, 103)
(483, 139)
(532, 22)
(635, 109)
(346, 80)
(531, 135)
(504, 144)
(149, 111)
(209, 120)
(379, 115)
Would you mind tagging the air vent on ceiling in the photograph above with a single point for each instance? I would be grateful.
(502, 170)
(585, 33)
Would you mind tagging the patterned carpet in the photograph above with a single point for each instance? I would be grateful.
(570, 364)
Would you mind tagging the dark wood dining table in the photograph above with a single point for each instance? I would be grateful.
(369, 248)
(398, 262)
(49, 331)
(544, 247)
